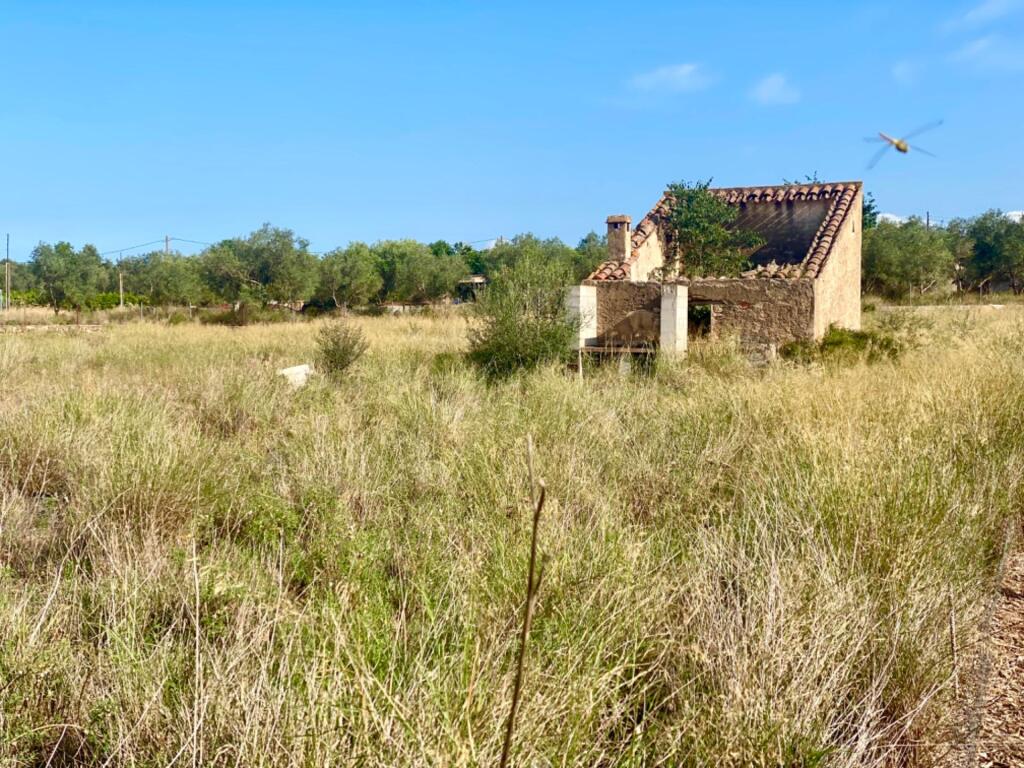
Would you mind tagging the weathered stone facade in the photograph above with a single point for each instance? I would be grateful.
(758, 311)
(837, 286)
(616, 300)
(805, 278)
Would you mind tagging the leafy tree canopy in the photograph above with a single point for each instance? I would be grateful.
(507, 253)
(906, 258)
(998, 250)
(164, 278)
(271, 264)
(869, 212)
(350, 276)
(68, 278)
(591, 251)
(415, 272)
(702, 240)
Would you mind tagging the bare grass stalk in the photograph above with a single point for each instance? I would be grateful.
(533, 580)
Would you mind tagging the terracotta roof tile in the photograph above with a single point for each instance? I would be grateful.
(822, 243)
(842, 195)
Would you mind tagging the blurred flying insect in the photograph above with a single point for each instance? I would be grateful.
(900, 145)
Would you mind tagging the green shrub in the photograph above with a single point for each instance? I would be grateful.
(339, 346)
(30, 298)
(846, 346)
(107, 300)
(521, 320)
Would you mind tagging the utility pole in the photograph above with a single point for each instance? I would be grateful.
(7, 273)
(120, 283)
(927, 220)
(167, 245)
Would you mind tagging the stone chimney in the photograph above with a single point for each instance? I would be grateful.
(619, 237)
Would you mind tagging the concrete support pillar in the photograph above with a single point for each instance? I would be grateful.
(582, 307)
(674, 303)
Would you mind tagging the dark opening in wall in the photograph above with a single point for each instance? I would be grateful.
(698, 319)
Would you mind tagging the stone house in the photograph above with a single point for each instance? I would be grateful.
(805, 278)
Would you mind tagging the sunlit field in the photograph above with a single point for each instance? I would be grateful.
(745, 564)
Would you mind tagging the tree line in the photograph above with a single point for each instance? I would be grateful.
(984, 253)
(275, 266)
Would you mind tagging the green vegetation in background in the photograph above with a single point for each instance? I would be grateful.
(900, 259)
(979, 254)
(349, 276)
(275, 266)
(68, 278)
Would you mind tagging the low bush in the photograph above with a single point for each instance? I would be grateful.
(846, 346)
(521, 321)
(30, 298)
(339, 346)
(111, 300)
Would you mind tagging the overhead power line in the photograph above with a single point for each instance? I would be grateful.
(194, 242)
(155, 242)
(131, 248)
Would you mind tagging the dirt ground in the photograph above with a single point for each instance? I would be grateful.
(1000, 740)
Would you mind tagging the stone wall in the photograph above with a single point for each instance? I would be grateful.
(617, 299)
(758, 310)
(837, 288)
(787, 228)
(649, 258)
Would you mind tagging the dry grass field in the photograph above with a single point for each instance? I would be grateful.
(746, 565)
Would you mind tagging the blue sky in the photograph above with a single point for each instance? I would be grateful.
(123, 122)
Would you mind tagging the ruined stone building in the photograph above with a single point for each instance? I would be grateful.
(805, 278)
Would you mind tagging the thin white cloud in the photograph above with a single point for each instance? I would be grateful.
(975, 49)
(985, 13)
(676, 77)
(775, 89)
(1015, 215)
(892, 218)
(906, 72)
(990, 52)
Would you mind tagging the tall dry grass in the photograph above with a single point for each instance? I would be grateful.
(746, 566)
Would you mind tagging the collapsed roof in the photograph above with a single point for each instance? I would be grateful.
(798, 223)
